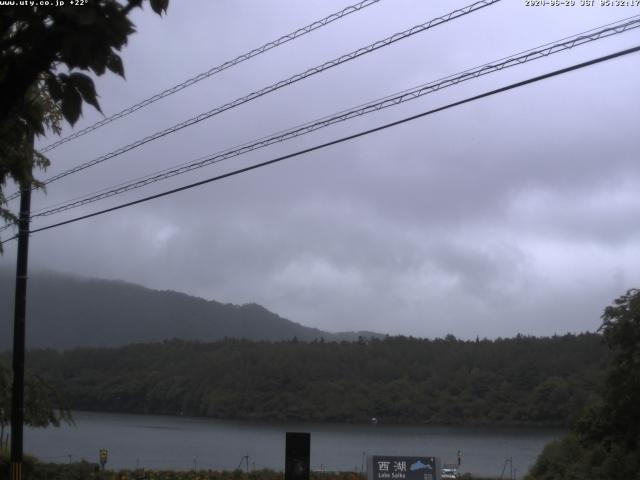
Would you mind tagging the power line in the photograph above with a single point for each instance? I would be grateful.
(217, 69)
(541, 51)
(405, 96)
(346, 138)
(276, 86)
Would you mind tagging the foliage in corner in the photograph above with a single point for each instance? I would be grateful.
(619, 419)
(605, 442)
(44, 405)
(44, 51)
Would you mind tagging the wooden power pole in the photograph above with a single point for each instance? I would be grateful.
(19, 324)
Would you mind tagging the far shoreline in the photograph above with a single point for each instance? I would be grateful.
(380, 423)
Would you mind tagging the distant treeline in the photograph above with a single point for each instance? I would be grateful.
(517, 381)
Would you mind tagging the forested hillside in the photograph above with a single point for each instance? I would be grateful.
(68, 311)
(605, 440)
(524, 380)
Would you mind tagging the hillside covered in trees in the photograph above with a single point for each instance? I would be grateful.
(519, 381)
(67, 311)
(604, 441)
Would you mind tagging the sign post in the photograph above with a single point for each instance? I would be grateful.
(297, 456)
(103, 459)
(399, 467)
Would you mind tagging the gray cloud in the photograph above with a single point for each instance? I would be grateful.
(511, 214)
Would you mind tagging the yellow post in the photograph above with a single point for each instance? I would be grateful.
(16, 471)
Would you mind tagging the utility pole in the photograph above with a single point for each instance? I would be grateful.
(20, 308)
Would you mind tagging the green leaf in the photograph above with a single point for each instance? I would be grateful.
(40, 160)
(114, 63)
(80, 16)
(71, 104)
(135, 3)
(86, 88)
(99, 57)
(54, 87)
(159, 6)
(85, 16)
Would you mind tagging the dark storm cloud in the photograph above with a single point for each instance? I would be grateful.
(511, 214)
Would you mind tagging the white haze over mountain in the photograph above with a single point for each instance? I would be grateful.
(516, 213)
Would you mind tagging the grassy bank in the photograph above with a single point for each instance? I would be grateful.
(36, 470)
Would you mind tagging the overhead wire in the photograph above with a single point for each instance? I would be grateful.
(298, 153)
(214, 70)
(386, 102)
(276, 86)
(519, 58)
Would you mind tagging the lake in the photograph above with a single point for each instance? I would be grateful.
(165, 442)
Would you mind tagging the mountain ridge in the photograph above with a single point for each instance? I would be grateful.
(68, 311)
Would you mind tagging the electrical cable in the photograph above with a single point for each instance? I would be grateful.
(214, 70)
(276, 86)
(386, 102)
(549, 48)
(346, 138)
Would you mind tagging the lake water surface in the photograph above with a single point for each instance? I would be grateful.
(157, 442)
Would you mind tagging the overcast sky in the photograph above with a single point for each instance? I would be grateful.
(514, 214)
